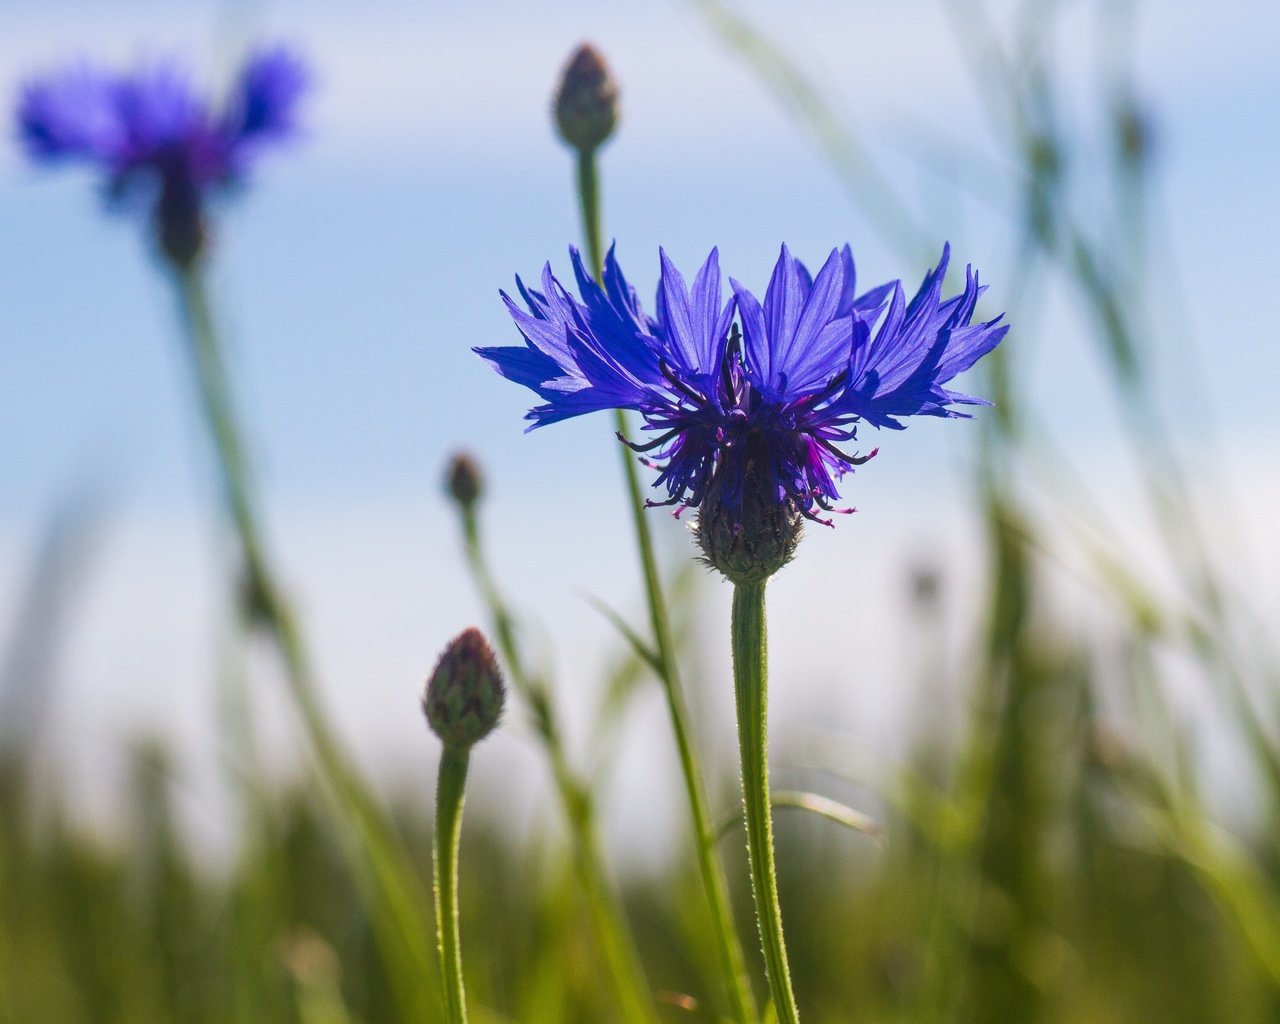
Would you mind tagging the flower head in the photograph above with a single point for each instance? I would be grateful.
(158, 143)
(741, 395)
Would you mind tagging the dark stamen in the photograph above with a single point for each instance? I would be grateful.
(680, 385)
(726, 365)
(651, 445)
(818, 397)
(853, 460)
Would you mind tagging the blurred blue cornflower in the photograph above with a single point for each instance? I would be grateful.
(162, 146)
(748, 395)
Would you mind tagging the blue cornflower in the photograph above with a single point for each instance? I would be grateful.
(750, 403)
(745, 393)
(161, 145)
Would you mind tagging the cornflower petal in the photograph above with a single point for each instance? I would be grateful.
(525, 365)
(818, 347)
(784, 300)
(579, 357)
(264, 104)
(693, 326)
(72, 114)
(615, 315)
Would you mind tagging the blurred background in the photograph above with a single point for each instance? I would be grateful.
(1041, 655)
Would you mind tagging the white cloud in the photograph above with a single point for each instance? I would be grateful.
(407, 78)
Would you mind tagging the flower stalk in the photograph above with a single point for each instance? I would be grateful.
(729, 953)
(450, 793)
(750, 682)
(618, 950)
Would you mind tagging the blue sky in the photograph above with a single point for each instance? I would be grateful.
(358, 271)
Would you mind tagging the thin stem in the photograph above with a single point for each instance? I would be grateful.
(616, 946)
(450, 787)
(589, 200)
(215, 403)
(733, 963)
(750, 682)
(393, 883)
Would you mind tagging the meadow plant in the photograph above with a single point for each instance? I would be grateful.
(463, 702)
(168, 154)
(749, 402)
(1053, 869)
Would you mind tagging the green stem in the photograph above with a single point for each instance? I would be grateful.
(215, 403)
(750, 682)
(450, 787)
(395, 886)
(733, 964)
(589, 200)
(612, 933)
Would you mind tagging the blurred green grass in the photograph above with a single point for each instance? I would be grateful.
(1057, 902)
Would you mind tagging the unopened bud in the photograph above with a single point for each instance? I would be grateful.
(1133, 134)
(750, 535)
(464, 480)
(926, 585)
(464, 696)
(586, 104)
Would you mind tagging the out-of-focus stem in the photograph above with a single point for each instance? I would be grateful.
(728, 948)
(401, 932)
(751, 683)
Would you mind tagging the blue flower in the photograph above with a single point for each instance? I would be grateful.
(158, 143)
(748, 395)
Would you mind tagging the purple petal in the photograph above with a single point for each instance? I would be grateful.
(264, 103)
(819, 347)
(71, 114)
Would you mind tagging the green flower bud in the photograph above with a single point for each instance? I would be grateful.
(586, 105)
(463, 480)
(752, 537)
(464, 695)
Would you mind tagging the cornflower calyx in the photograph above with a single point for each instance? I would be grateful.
(160, 145)
(750, 407)
(749, 539)
(465, 693)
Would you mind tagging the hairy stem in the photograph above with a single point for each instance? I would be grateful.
(750, 682)
(450, 787)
